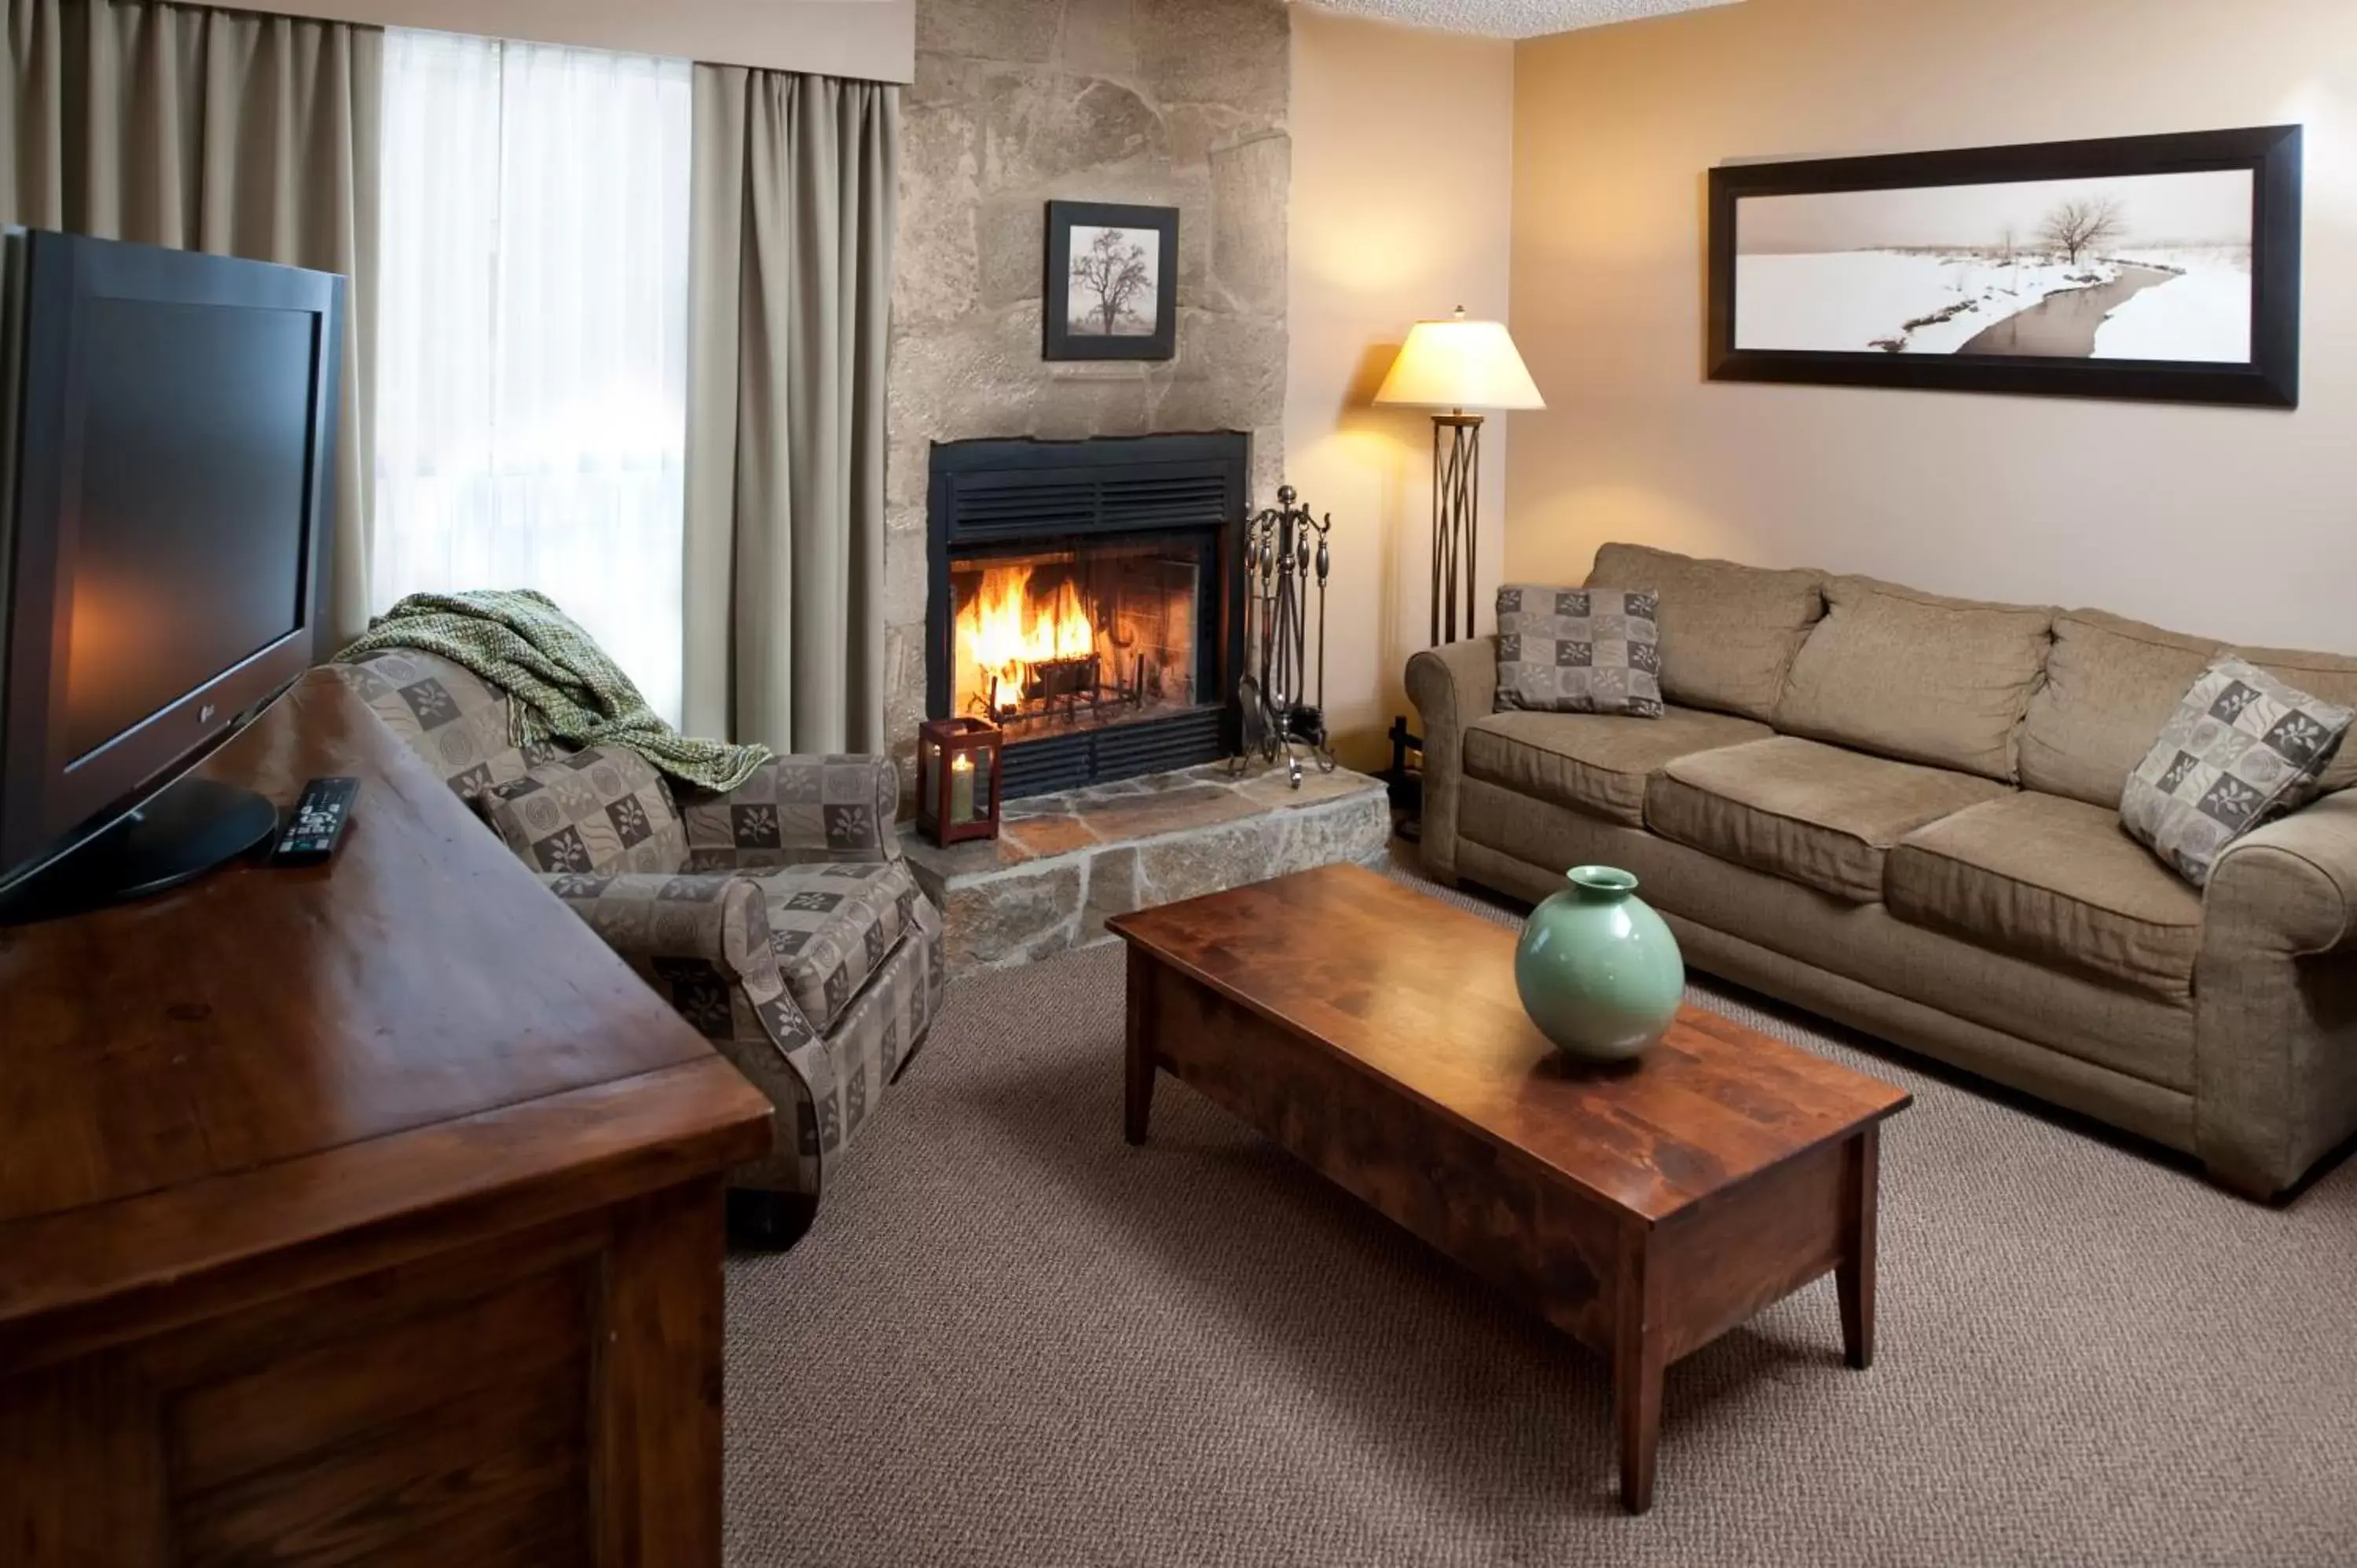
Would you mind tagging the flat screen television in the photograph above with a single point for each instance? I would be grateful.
(167, 428)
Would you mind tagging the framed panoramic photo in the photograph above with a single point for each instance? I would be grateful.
(1112, 288)
(2135, 267)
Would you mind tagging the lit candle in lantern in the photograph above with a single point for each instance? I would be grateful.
(962, 788)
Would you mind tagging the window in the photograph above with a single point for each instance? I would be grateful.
(531, 388)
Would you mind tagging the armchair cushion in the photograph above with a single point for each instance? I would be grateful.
(604, 810)
(831, 926)
(796, 811)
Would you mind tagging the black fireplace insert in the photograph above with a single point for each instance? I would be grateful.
(1085, 596)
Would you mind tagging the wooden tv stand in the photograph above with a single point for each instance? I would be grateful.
(371, 1212)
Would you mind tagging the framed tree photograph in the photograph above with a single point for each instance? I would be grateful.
(1112, 288)
(2163, 267)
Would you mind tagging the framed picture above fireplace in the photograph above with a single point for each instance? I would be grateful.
(1112, 286)
(2161, 267)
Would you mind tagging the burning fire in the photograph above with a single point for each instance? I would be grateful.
(1005, 629)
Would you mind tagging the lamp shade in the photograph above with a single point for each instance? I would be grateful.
(1459, 364)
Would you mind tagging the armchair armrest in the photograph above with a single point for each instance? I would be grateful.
(794, 811)
(664, 925)
(2295, 879)
(1452, 687)
(704, 944)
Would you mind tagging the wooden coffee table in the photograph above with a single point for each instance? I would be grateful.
(1644, 1209)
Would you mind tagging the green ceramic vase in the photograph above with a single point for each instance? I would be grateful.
(1599, 971)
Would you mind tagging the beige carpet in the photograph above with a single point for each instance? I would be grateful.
(1013, 1340)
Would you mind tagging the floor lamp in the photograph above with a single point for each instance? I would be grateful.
(1449, 366)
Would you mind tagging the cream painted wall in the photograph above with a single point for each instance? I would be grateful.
(871, 38)
(2236, 523)
(1402, 149)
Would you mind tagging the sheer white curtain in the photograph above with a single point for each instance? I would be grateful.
(532, 378)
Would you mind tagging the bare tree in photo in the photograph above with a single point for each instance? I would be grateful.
(2011, 253)
(2084, 224)
(1114, 271)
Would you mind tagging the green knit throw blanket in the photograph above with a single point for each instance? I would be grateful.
(561, 684)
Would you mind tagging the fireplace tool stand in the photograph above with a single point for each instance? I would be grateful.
(1282, 545)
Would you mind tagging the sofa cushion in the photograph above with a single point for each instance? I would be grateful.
(2052, 880)
(1595, 763)
(1577, 651)
(1814, 814)
(2330, 676)
(1918, 677)
(600, 812)
(2241, 749)
(1728, 632)
(833, 925)
(2111, 684)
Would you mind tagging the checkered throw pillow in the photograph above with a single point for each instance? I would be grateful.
(603, 811)
(1580, 651)
(2242, 747)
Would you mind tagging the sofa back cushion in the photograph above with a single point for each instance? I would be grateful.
(2330, 676)
(1728, 632)
(1917, 677)
(2111, 684)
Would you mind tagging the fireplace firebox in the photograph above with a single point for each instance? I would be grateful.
(1085, 598)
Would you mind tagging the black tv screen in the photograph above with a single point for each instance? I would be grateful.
(190, 559)
(169, 421)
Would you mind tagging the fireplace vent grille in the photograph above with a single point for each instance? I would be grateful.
(1030, 506)
(1124, 751)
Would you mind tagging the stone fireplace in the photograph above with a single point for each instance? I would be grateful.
(1084, 596)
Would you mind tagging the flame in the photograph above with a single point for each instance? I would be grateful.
(1004, 629)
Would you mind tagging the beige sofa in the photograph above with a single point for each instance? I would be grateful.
(1900, 811)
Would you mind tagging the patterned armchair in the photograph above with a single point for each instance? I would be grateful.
(778, 919)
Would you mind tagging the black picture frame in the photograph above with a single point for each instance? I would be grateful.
(2270, 378)
(1060, 338)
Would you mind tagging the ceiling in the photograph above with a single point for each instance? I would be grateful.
(1513, 19)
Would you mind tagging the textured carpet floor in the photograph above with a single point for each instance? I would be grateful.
(1011, 1339)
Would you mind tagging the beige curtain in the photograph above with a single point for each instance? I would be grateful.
(219, 130)
(794, 207)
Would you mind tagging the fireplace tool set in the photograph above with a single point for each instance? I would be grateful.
(1282, 545)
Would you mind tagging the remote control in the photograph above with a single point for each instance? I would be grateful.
(316, 824)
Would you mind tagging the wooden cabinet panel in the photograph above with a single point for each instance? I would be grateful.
(365, 1213)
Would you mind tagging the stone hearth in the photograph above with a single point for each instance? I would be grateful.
(1064, 864)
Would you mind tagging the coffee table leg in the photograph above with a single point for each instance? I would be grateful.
(1637, 1367)
(1137, 1071)
(1854, 1277)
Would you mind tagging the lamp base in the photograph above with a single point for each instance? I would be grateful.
(1456, 521)
(1406, 784)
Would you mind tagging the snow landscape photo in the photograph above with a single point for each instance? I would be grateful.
(2138, 267)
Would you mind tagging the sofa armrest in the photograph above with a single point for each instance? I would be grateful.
(794, 811)
(2296, 878)
(2275, 994)
(1452, 687)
